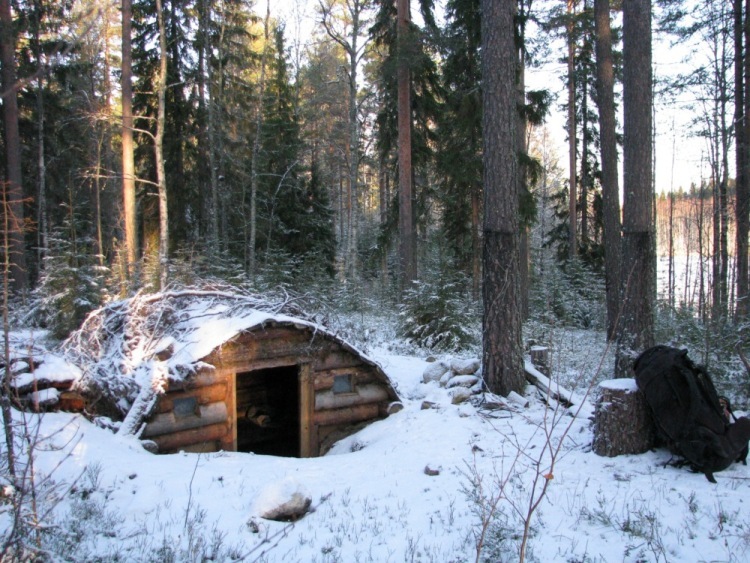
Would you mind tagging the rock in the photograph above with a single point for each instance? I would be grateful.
(462, 381)
(434, 371)
(465, 367)
(446, 378)
(284, 501)
(394, 407)
(514, 397)
(460, 395)
(150, 446)
(430, 471)
(428, 405)
(290, 511)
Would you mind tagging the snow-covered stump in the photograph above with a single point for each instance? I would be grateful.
(622, 421)
(540, 358)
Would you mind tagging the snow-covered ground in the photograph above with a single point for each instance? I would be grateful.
(417, 486)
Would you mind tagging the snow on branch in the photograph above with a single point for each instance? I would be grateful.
(130, 349)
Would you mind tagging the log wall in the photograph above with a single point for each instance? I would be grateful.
(323, 414)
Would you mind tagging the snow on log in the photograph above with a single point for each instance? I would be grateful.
(622, 422)
(547, 386)
(364, 394)
(168, 423)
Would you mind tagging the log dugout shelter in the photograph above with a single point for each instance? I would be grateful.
(207, 372)
(278, 388)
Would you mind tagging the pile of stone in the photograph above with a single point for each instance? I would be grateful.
(461, 377)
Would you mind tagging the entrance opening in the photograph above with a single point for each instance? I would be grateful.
(268, 411)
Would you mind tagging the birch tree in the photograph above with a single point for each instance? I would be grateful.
(346, 23)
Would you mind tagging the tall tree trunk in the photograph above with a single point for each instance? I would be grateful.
(636, 327)
(13, 185)
(159, 152)
(572, 182)
(254, 162)
(522, 148)
(722, 311)
(585, 177)
(502, 358)
(353, 146)
(742, 194)
(610, 184)
(671, 266)
(215, 97)
(383, 188)
(476, 257)
(407, 232)
(41, 188)
(128, 158)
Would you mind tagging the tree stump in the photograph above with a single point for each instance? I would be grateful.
(622, 420)
(540, 358)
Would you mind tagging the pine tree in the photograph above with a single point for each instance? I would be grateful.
(73, 282)
(638, 277)
(502, 362)
(425, 92)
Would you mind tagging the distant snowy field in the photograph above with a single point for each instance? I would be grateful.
(374, 499)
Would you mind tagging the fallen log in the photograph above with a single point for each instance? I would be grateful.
(547, 386)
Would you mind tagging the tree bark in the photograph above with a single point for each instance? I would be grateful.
(128, 158)
(573, 195)
(254, 164)
(742, 195)
(158, 148)
(13, 185)
(622, 420)
(502, 357)
(638, 274)
(407, 232)
(605, 82)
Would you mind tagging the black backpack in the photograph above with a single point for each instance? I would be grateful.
(686, 410)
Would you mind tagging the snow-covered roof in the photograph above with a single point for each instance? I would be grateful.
(130, 349)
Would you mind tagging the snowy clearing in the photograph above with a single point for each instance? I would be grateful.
(413, 487)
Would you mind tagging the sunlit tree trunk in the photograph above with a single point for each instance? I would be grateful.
(636, 326)
(742, 195)
(254, 163)
(608, 141)
(158, 148)
(128, 159)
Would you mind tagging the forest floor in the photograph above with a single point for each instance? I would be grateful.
(440, 484)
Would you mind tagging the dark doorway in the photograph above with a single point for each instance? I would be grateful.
(268, 411)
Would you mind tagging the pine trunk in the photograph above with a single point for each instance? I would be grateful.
(353, 144)
(622, 420)
(128, 149)
(502, 358)
(572, 182)
(742, 202)
(407, 234)
(608, 140)
(638, 274)
(250, 240)
(159, 153)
